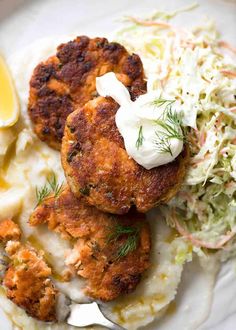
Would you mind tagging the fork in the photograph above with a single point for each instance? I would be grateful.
(83, 315)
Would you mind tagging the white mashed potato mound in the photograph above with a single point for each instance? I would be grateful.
(26, 164)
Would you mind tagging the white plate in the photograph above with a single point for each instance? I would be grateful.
(23, 21)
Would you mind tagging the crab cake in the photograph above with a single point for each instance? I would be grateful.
(28, 284)
(110, 251)
(65, 81)
(97, 165)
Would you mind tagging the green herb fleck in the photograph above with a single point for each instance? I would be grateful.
(71, 155)
(85, 191)
(17, 262)
(140, 139)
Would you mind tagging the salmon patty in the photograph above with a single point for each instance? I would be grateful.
(27, 282)
(68, 80)
(9, 230)
(110, 251)
(98, 167)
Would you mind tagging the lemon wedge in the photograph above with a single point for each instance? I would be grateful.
(9, 105)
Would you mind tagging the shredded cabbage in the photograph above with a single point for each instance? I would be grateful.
(198, 70)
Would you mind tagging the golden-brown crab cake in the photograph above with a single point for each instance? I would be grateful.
(97, 165)
(110, 251)
(28, 284)
(68, 80)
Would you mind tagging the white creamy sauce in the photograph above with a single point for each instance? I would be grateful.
(146, 141)
(26, 164)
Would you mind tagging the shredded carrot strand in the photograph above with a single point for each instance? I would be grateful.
(202, 138)
(225, 44)
(228, 73)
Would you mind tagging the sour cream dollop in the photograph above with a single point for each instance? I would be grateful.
(151, 134)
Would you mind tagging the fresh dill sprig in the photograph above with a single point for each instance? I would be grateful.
(119, 230)
(170, 121)
(129, 246)
(157, 103)
(54, 185)
(172, 116)
(131, 241)
(170, 124)
(140, 139)
(42, 193)
(51, 186)
(162, 144)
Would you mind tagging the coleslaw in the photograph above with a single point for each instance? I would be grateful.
(198, 70)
